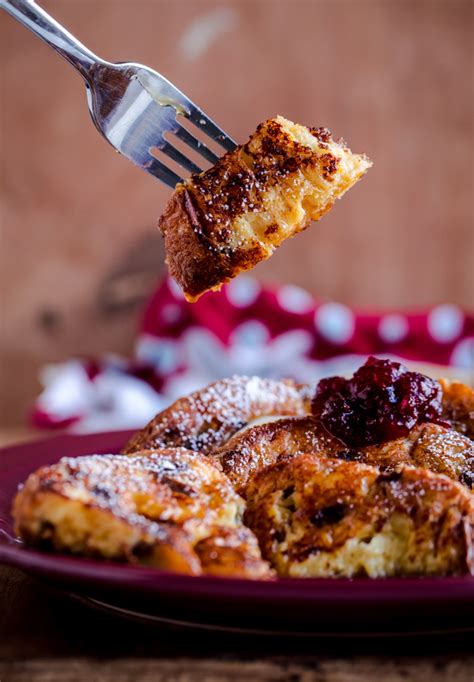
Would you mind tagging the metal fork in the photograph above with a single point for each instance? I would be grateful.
(132, 106)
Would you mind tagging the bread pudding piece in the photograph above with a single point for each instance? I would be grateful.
(232, 552)
(430, 446)
(164, 509)
(208, 417)
(249, 451)
(444, 451)
(228, 218)
(322, 517)
(458, 406)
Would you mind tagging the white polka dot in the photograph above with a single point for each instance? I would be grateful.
(335, 321)
(251, 333)
(445, 323)
(161, 353)
(393, 328)
(171, 313)
(243, 291)
(294, 299)
(463, 354)
(175, 289)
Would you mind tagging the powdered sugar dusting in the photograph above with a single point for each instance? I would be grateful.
(146, 492)
(207, 418)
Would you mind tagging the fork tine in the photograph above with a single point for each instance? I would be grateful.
(162, 172)
(207, 125)
(176, 155)
(195, 144)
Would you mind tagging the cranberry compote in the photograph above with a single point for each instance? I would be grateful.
(381, 402)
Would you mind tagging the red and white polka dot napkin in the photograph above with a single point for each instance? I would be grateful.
(247, 328)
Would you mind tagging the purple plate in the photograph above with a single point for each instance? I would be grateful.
(293, 606)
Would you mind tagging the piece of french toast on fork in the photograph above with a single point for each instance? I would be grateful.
(225, 220)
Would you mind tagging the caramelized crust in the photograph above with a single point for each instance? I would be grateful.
(232, 552)
(154, 508)
(321, 517)
(429, 446)
(458, 406)
(248, 452)
(229, 218)
(443, 450)
(208, 417)
(317, 507)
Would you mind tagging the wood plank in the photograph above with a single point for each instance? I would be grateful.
(149, 670)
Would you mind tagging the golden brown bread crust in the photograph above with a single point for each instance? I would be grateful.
(232, 552)
(176, 510)
(193, 261)
(208, 417)
(443, 450)
(315, 516)
(227, 219)
(458, 406)
(429, 446)
(156, 508)
(246, 453)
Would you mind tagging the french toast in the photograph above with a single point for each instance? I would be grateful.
(202, 490)
(430, 446)
(206, 418)
(171, 509)
(232, 552)
(458, 406)
(321, 517)
(225, 220)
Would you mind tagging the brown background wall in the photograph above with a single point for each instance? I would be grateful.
(394, 77)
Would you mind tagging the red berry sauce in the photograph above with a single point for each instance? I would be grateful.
(381, 402)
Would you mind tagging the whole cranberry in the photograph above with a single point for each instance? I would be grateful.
(381, 402)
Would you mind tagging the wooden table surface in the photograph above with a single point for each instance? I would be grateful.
(45, 636)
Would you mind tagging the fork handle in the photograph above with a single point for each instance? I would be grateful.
(48, 29)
